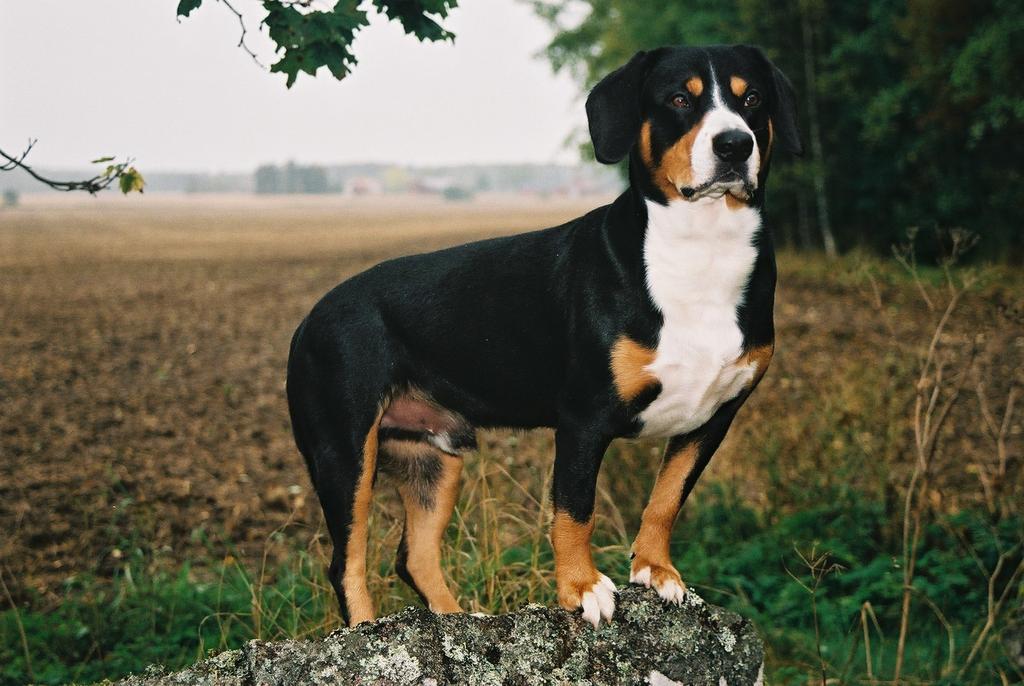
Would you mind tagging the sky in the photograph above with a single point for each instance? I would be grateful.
(122, 77)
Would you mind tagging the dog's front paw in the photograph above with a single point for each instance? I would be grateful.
(597, 599)
(664, 578)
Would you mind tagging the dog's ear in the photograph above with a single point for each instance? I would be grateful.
(783, 112)
(783, 106)
(613, 109)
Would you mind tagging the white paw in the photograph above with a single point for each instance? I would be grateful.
(599, 602)
(670, 590)
(641, 576)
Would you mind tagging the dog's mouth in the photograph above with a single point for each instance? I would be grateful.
(729, 182)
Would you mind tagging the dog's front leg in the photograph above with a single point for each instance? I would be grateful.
(685, 459)
(651, 561)
(578, 455)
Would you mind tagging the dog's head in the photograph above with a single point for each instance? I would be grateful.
(700, 121)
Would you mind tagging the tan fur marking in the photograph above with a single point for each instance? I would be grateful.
(651, 547)
(575, 573)
(645, 143)
(357, 594)
(424, 533)
(695, 85)
(738, 85)
(761, 357)
(733, 203)
(771, 140)
(675, 168)
(629, 362)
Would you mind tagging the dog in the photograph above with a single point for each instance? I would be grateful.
(650, 316)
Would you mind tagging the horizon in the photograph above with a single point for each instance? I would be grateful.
(332, 178)
(581, 163)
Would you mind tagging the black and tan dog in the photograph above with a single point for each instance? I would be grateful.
(651, 316)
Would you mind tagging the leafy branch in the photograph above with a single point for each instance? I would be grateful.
(308, 39)
(123, 173)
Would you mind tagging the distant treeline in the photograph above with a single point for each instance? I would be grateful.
(912, 111)
(455, 181)
(291, 178)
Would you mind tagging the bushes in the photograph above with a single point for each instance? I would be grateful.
(736, 559)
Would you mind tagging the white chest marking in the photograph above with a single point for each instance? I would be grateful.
(699, 256)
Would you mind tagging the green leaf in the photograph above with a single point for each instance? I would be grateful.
(101, 160)
(185, 7)
(414, 16)
(309, 40)
(131, 180)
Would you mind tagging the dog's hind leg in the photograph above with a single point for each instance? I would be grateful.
(343, 475)
(353, 578)
(336, 428)
(428, 481)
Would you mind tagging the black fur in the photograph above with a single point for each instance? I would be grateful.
(420, 472)
(401, 559)
(614, 108)
(517, 331)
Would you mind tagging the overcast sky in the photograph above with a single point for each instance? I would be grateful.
(105, 77)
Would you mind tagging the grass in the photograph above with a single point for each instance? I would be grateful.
(106, 630)
(730, 553)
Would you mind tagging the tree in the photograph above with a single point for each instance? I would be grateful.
(306, 39)
(911, 105)
(810, 59)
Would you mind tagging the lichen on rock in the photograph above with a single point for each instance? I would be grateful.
(648, 642)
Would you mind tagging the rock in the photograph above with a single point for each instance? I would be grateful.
(648, 642)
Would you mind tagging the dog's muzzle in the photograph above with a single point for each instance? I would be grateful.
(731, 181)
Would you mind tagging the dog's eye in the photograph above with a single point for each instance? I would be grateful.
(752, 99)
(681, 101)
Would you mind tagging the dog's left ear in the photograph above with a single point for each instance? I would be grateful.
(783, 105)
(613, 109)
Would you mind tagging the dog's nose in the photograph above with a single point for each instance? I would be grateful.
(733, 145)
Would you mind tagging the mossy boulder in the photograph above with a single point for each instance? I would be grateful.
(648, 642)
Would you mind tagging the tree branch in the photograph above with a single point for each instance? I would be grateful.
(241, 38)
(186, 7)
(127, 177)
(15, 162)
